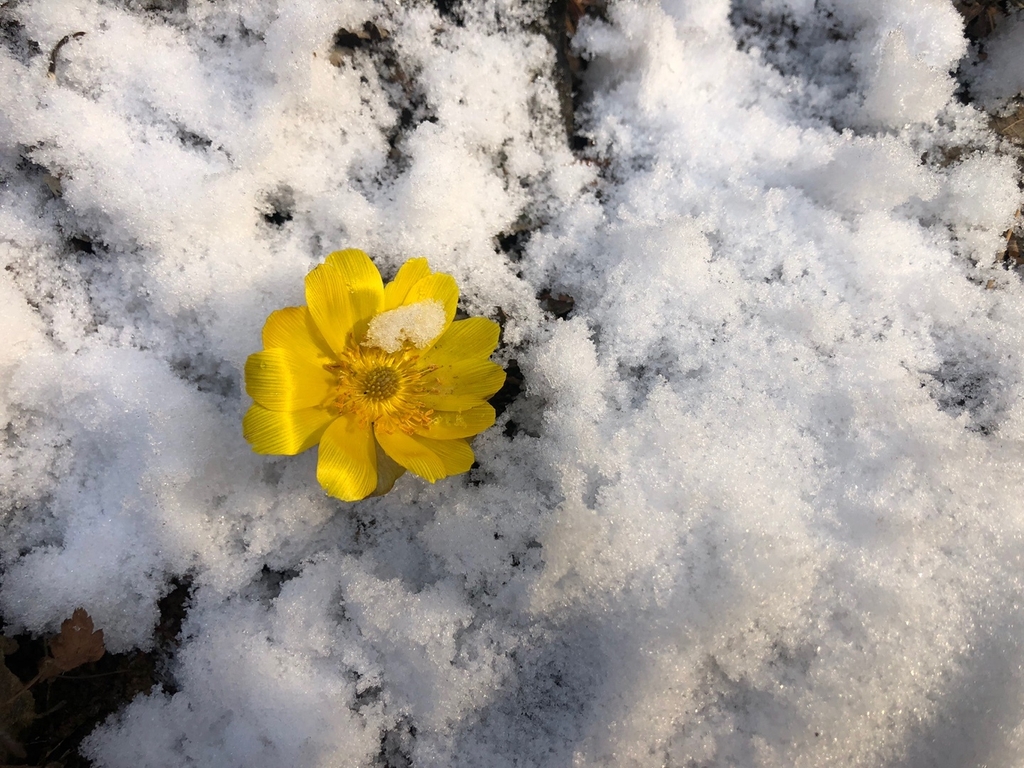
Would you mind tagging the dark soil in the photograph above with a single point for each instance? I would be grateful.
(68, 708)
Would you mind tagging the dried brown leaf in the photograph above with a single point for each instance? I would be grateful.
(1014, 255)
(17, 711)
(77, 644)
(574, 11)
(53, 184)
(980, 18)
(1010, 126)
(969, 11)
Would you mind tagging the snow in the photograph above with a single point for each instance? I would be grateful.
(418, 323)
(758, 501)
(1001, 74)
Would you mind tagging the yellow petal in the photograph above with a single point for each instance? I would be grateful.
(347, 464)
(465, 339)
(343, 295)
(283, 380)
(430, 459)
(448, 425)
(329, 304)
(347, 256)
(464, 385)
(284, 432)
(293, 328)
(366, 289)
(388, 471)
(408, 275)
(436, 287)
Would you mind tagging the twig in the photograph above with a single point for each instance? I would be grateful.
(52, 70)
(93, 677)
(56, 708)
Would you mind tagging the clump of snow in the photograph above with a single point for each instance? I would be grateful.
(758, 501)
(418, 323)
(904, 88)
(1001, 75)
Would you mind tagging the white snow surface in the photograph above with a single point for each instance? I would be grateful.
(759, 500)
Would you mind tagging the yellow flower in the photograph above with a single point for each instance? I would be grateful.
(382, 377)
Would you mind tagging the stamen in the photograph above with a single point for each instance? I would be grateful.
(384, 389)
(381, 383)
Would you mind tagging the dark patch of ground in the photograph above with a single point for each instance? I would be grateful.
(69, 707)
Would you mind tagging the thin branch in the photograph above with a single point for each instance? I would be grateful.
(52, 70)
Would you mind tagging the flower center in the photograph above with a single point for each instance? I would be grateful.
(384, 389)
(381, 383)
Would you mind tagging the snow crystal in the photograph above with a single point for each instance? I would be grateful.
(418, 324)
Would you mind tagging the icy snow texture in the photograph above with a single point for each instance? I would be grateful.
(418, 323)
(758, 504)
(1001, 75)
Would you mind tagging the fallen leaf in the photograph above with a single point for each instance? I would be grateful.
(1014, 257)
(980, 18)
(1010, 126)
(575, 10)
(17, 710)
(76, 644)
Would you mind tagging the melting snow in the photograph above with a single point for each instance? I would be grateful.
(418, 324)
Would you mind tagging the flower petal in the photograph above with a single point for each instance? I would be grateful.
(465, 339)
(283, 380)
(408, 275)
(347, 464)
(343, 295)
(448, 425)
(430, 459)
(436, 287)
(293, 328)
(388, 471)
(464, 385)
(328, 298)
(366, 289)
(284, 432)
